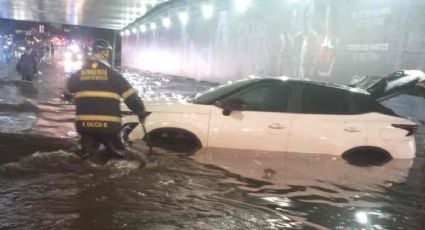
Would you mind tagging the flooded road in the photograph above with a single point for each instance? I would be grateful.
(44, 186)
(214, 189)
(55, 190)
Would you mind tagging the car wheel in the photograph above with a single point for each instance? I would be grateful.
(176, 140)
(367, 156)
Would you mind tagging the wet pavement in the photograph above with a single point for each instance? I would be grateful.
(44, 186)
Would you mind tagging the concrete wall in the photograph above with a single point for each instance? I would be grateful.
(326, 40)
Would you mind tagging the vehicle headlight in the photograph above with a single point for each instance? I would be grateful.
(74, 48)
(68, 55)
(79, 64)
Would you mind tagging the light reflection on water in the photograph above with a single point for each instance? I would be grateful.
(55, 190)
(215, 189)
(326, 190)
(16, 122)
(9, 94)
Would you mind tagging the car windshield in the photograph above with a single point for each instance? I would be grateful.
(213, 94)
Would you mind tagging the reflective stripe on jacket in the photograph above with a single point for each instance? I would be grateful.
(98, 92)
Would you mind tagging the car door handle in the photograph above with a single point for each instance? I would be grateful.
(351, 130)
(276, 126)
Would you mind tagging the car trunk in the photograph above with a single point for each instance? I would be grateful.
(401, 82)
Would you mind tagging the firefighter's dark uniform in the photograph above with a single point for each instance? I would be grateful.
(98, 90)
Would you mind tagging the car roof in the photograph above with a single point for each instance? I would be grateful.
(317, 83)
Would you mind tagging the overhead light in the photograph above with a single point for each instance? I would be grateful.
(207, 11)
(122, 33)
(143, 9)
(183, 17)
(143, 28)
(242, 5)
(134, 30)
(127, 32)
(166, 22)
(153, 26)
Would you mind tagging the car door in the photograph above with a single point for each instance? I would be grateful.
(323, 121)
(400, 82)
(262, 125)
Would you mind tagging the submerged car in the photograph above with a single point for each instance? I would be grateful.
(287, 115)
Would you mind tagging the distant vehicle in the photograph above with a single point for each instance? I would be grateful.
(74, 58)
(281, 114)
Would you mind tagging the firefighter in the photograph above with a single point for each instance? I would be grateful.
(98, 90)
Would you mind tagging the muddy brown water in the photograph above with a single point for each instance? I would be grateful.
(213, 189)
(44, 186)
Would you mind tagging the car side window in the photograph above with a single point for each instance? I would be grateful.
(266, 98)
(324, 100)
(364, 104)
(361, 104)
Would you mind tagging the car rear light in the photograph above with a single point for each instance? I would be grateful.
(411, 129)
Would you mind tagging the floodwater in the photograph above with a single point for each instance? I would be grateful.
(44, 186)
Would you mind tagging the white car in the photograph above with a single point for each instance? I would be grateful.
(286, 115)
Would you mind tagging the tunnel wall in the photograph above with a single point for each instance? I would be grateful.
(326, 40)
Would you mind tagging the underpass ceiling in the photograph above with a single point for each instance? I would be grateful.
(109, 14)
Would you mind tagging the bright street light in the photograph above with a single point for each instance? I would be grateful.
(153, 26)
(207, 11)
(166, 22)
(143, 28)
(183, 17)
(242, 5)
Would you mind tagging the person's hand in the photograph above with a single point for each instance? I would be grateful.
(143, 116)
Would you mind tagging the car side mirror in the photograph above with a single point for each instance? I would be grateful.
(232, 105)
